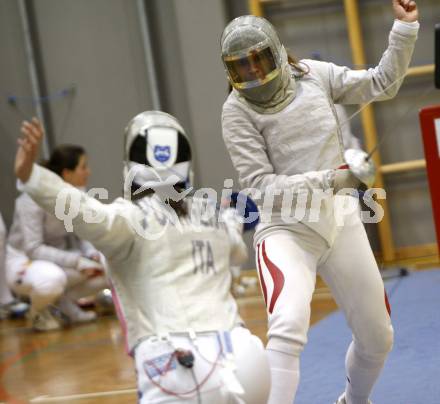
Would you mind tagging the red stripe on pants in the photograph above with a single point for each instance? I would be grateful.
(387, 303)
(277, 277)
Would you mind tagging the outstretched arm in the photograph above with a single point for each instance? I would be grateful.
(28, 147)
(347, 86)
(109, 229)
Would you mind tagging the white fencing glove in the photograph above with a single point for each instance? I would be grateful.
(344, 178)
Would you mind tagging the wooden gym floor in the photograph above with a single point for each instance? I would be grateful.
(87, 364)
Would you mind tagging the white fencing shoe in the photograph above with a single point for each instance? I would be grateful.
(44, 321)
(341, 400)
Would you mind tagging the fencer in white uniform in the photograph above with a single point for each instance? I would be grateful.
(281, 130)
(169, 269)
(46, 263)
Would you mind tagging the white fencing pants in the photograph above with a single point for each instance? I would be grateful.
(45, 282)
(288, 262)
(222, 360)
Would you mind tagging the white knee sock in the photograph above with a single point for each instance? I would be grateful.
(284, 370)
(361, 374)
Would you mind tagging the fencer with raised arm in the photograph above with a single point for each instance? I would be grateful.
(281, 131)
(169, 266)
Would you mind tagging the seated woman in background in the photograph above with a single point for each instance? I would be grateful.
(46, 263)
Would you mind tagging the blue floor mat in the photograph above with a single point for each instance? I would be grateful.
(412, 372)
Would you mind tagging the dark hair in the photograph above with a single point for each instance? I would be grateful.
(300, 67)
(64, 157)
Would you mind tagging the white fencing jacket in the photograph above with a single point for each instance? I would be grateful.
(299, 147)
(39, 235)
(168, 277)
